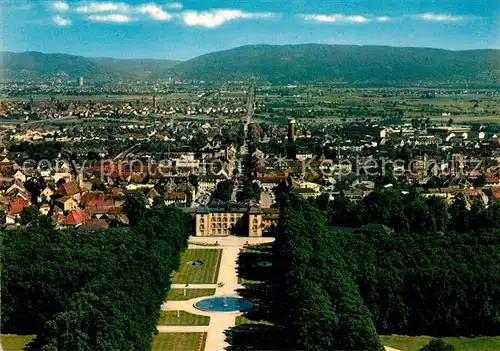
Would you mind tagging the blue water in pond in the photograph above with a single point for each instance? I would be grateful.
(224, 304)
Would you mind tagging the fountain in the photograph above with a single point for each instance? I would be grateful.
(224, 304)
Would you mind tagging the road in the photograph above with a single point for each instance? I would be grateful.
(250, 109)
(220, 322)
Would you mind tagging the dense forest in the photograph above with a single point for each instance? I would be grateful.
(318, 302)
(90, 290)
(338, 290)
(411, 212)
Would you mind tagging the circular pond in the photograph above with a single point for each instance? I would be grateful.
(195, 263)
(224, 304)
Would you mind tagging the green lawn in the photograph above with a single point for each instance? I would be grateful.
(11, 342)
(243, 320)
(415, 343)
(179, 342)
(204, 274)
(185, 318)
(178, 294)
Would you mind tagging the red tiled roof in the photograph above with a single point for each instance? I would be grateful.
(75, 217)
(496, 192)
(175, 195)
(68, 189)
(99, 203)
(18, 205)
(104, 210)
(271, 179)
(94, 195)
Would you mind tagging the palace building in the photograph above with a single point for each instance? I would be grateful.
(220, 218)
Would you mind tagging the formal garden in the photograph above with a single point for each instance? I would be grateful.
(198, 266)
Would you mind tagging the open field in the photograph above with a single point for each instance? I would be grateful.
(179, 342)
(178, 294)
(11, 342)
(206, 273)
(185, 318)
(467, 119)
(415, 343)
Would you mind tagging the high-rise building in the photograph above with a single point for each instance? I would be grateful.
(80, 81)
(154, 102)
(291, 130)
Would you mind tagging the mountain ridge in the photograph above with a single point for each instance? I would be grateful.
(276, 64)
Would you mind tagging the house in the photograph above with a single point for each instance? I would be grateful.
(46, 193)
(17, 205)
(208, 183)
(70, 189)
(17, 189)
(492, 181)
(45, 209)
(354, 195)
(66, 203)
(10, 218)
(74, 218)
(175, 198)
(268, 183)
(305, 193)
(20, 176)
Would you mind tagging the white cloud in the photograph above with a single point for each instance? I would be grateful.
(61, 21)
(216, 18)
(156, 12)
(341, 18)
(60, 6)
(335, 18)
(437, 17)
(174, 5)
(96, 7)
(112, 18)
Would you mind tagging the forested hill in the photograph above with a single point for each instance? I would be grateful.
(344, 63)
(38, 65)
(278, 64)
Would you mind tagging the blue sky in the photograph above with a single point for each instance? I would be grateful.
(185, 29)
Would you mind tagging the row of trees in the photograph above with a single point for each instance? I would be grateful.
(90, 290)
(338, 291)
(412, 212)
(317, 300)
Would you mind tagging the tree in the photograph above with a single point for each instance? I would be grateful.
(99, 186)
(323, 202)
(68, 288)
(250, 191)
(460, 218)
(224, 190)
(437, 345)
(134, 207)
(480, 181)
(3, 217)
(193, 179)
(31, 216)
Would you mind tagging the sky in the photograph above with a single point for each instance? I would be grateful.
(186, 29)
